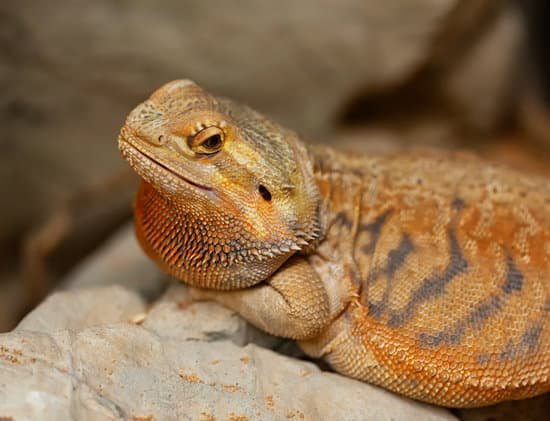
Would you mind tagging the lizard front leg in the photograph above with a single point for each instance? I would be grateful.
(292, 303)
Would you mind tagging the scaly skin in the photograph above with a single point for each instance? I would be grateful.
(426, 274)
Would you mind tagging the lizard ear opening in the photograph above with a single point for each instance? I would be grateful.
(266, 195)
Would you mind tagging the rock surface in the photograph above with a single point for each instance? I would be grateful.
(178, 361)
(119, 262)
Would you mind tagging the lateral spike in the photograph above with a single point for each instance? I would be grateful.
(284, 248)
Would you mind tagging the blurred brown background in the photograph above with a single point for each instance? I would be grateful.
(368, 75)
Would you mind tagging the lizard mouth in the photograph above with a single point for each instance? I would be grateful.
(128, 147)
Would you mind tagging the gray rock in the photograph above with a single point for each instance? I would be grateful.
(181, 360)
(119, 262)
(316, 53)
(65, 310)
(483, 82)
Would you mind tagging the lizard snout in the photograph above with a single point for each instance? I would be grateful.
(147, 123)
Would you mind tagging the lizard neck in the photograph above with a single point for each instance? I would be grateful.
(341, 180)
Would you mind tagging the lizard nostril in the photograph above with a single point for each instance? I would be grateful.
(151, 139)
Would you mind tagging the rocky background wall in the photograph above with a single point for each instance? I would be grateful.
(369, 75)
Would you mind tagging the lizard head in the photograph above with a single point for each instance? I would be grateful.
(227, 195)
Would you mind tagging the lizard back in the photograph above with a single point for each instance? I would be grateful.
(449, 273)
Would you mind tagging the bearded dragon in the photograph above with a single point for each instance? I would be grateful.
(427, 274)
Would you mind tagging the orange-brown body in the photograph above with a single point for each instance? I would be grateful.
(449, 276)
(427, 274)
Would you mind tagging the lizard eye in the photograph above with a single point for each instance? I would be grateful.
(208, 141)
